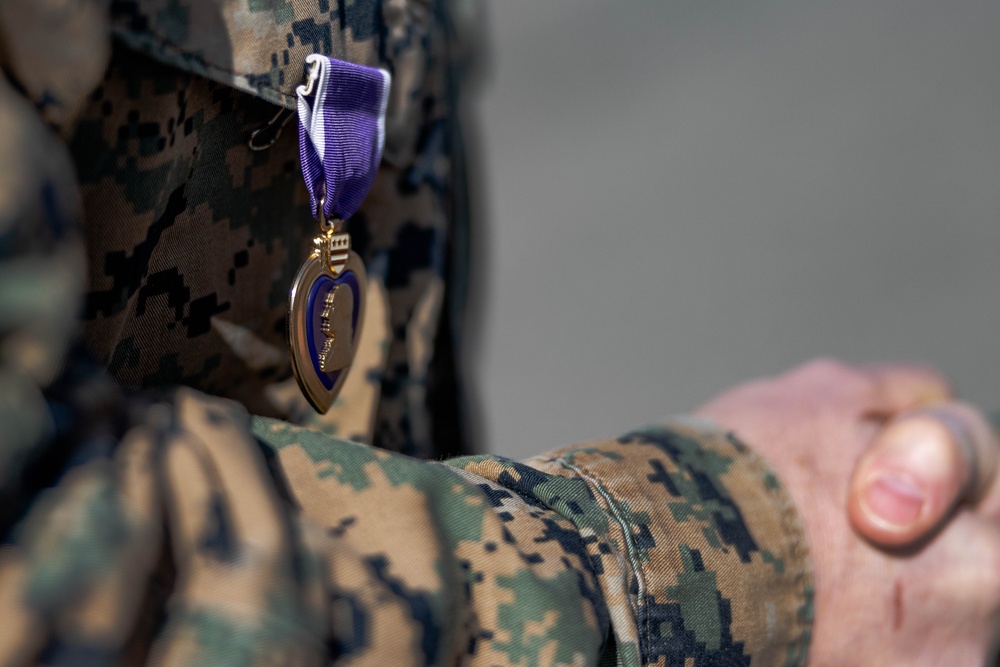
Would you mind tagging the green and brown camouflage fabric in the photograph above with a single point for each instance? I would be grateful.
(204, 537)
(147, 518)
(193, 239)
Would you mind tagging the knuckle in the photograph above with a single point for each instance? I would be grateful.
(829, 369)
(266, 536)
(262, 554)
(831, 365)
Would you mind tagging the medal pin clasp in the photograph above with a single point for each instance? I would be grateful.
(311, 79)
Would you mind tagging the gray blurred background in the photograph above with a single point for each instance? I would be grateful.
(681, 195)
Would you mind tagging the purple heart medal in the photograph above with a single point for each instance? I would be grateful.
(341, 132)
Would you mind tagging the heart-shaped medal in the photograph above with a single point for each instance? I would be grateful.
(341, 110)
(325, 311)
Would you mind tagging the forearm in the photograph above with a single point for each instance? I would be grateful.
(697, 548)
(666, 544)
(678, 539)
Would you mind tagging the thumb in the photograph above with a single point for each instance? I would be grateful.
(917, 469)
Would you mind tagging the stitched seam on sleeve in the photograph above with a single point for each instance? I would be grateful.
(630, 548)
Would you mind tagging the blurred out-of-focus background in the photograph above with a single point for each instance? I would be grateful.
(682, 195)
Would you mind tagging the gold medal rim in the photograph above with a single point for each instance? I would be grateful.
(319, 396)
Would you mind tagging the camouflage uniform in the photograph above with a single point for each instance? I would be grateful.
(148, 524)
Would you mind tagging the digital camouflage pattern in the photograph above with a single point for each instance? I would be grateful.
(193, 239)
(144, 247)
(204, 537)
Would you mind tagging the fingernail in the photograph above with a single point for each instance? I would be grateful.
(894, 499)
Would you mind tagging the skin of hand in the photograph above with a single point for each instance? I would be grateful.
(919, 467)
(895, 485)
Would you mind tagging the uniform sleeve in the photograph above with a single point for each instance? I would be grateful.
(201, 536)
(672, 545)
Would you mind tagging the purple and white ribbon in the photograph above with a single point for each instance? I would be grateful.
(341, 132)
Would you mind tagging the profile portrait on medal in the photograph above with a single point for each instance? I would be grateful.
(336, 326)
(325, 311)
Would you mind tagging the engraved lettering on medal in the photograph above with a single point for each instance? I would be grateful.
(336, 317)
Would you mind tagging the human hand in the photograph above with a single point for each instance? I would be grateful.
(88, 574)
(864, 443)
(918, 469)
